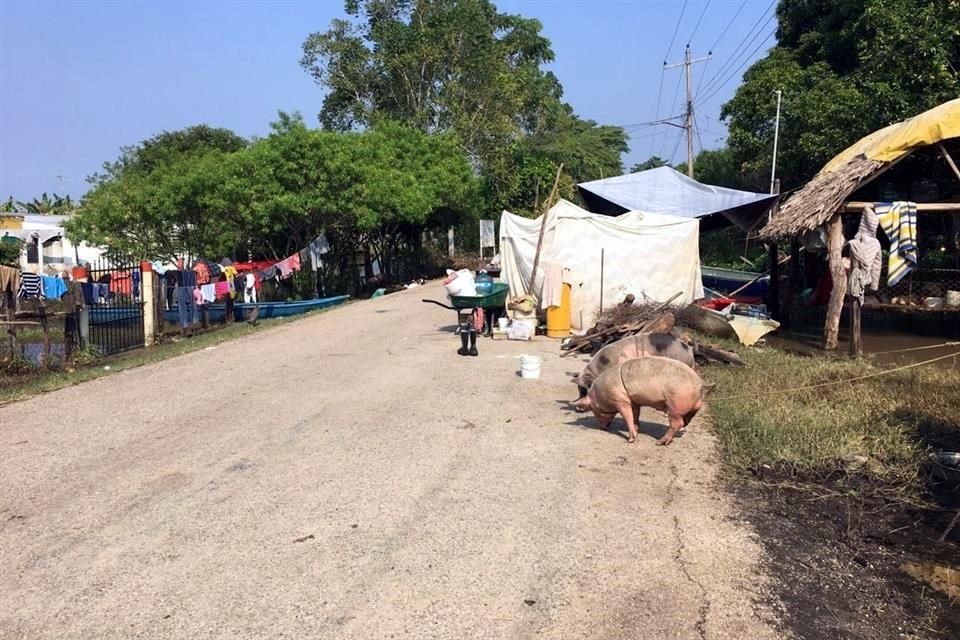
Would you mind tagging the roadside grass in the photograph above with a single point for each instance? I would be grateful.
(24, 383)
(881, 428)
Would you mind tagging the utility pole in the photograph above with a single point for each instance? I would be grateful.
(688, 125)
(776, 135)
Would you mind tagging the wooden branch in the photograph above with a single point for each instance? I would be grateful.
(927, 207)
(946, 156)
(543, 226)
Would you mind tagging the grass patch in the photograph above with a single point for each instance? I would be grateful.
(892, 421)
(23, 383)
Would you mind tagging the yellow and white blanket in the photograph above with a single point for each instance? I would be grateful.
(899, 222)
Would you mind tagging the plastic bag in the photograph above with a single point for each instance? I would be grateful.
(460, 283)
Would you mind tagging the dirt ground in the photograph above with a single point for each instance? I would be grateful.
(349, 476)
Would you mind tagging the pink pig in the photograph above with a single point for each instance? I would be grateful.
(651, 381)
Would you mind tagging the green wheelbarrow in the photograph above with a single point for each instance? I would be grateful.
(465, 306)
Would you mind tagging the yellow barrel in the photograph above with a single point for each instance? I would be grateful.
(558, 318)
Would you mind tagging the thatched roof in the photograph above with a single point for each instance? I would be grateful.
(819, 199)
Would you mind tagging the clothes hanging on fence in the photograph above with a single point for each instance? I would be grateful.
(120, 282)
(268, 274)
(197, 296)
(29, 286)
(186, 309)
(899, 222)
(90, 291)
(250, 288)
(188, 279)
(135, 276)
(221, 288)
(866, 256)
(53, 287)
(9, 279)
(208, 292)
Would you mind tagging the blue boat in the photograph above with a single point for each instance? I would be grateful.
(728, 280)
(217, 312)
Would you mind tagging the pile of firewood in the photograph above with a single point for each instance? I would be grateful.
(630, 318)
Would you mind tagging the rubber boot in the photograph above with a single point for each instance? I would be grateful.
(473, 343)
(463, 350)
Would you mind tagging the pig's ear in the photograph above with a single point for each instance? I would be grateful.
(707, 388)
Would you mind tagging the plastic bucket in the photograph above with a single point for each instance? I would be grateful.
(530, 367)
(503, 323)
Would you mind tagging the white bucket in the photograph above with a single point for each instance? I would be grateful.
(530, 367)
(503, 322)
(953, 298)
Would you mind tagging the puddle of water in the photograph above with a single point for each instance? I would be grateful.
(942, 578)
(884, 349)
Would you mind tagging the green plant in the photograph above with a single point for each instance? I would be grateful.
(17, 366)
(86, 356)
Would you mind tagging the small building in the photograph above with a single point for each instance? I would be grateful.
(906, 178)
(46, 248)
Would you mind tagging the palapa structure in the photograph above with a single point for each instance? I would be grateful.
(821, 201)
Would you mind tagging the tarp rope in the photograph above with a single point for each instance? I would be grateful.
(835, 382)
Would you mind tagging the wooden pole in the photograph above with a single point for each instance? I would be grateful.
(601, 279)
(543, 226)
(831, 328)
(946, 156)
(856, 345)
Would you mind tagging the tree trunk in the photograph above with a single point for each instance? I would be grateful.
(831, 328)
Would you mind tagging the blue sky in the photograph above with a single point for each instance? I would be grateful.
(78, 80)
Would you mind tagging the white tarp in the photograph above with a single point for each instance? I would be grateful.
(646, 254)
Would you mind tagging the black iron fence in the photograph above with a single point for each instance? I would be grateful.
(114, 299)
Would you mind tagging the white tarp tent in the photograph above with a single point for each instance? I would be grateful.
(645, 254)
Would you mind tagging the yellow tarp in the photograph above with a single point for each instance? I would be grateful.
(890, 143)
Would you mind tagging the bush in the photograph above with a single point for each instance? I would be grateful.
(86, 356)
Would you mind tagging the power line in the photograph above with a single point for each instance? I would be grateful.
(675, 29)
(729, 24)
(744, 44)
(699, 20)
(676, 146)
(673, 105)
(702, 74)
(722, 84)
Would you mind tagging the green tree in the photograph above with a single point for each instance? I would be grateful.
(846, 68)
(652, 162)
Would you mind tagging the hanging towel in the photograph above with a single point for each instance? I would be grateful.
(552, 292)
(29, 286)
(53, 287)
(9, 279)
(899, 222)
(208, 292)
(866, 253)
(222, 289)
(197, 296)
(289, 265)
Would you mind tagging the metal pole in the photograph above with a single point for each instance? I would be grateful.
(687, 64)
(776, 135)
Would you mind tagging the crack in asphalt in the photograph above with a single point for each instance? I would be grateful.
(704, 609)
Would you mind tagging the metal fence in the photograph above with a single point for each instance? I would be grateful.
(114, 296)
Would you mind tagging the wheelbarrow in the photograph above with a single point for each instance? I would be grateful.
(466, 306)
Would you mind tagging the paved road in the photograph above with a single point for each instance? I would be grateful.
(349, 476)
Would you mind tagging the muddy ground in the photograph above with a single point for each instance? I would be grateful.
(838, 556)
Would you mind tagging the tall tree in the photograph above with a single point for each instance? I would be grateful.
(653, 162)
(846, 68)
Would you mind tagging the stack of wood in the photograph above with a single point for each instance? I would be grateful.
(629, 318)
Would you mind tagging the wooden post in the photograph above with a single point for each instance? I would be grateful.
(543, 225)
(793, 282)
(831, 328)
(773, 304)
(46, 336)
(856, 346)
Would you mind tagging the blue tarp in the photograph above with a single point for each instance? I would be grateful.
(666, 191)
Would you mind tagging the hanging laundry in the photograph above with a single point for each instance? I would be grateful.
(29, 286)
(202, 270)
(188, 279)
(899, 222)
(866, 254)
(89, 295)
(317, 248)
(136, 284)
(197, 296)
(269, 273)
(120, 282)
(53, 287)
(222, 288)
(250, 288)
(288, 266)
(208, 292)
(186, 309)
(230, 272)
(9, 279)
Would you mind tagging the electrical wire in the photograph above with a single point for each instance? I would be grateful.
(675, 29)
(663, 71)
(729, 24)
(744, 44)
(699, 20)
(673, 106)
(722, 84)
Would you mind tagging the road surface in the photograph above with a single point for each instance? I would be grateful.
(348, 475)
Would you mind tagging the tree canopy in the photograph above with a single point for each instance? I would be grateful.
(274, 195)
(462, 67)
(846, 68)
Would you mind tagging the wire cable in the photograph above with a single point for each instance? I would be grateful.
(744, 44)
(722, 84)
(699, 20)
